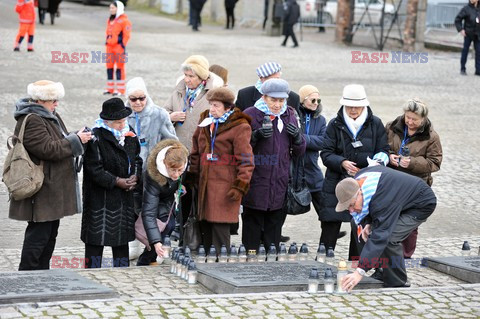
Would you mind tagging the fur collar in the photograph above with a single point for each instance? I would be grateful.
(423, 132)
(152, 170)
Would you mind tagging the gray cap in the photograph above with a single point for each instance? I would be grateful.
(277, 88)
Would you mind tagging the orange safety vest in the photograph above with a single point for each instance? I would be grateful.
(26, 11)
(118, 31)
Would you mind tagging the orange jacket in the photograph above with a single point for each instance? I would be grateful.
(118, 31)
(26, 11)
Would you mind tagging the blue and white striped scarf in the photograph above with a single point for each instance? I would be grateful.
(210, 119)
(261, 105)
(119, 135)
(191, 94)
(369, 188)
(258, 86)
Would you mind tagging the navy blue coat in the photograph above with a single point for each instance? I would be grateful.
(315, 140)
(338, 147)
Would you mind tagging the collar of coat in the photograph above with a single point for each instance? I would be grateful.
(213, 81)
(422, 134)
(152, 170)
(315, 114)
(237, 118)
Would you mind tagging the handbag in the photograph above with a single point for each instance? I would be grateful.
(192, 236)
(298, 196)
(140, 232)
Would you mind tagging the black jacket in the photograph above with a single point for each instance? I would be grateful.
(158, 193)
(465, 20)
(338, 147)
(230, 4)
(108, 211)
(397, 193)
(248, 96)
(292, 13)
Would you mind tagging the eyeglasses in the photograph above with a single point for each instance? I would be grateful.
(316, 101)
(135, 99)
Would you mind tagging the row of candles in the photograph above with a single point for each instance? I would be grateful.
(328, 279)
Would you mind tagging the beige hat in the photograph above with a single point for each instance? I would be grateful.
(345, 191)
(305, 91)
(354, 95)
(46, 90)
(199, 65)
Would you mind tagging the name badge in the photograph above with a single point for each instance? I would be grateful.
(143, 142)
(212, 157)
(357, 144)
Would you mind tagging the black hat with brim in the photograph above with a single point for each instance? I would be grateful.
(114, 109)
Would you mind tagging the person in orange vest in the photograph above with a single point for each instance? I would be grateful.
(26, 13)
(118, 34)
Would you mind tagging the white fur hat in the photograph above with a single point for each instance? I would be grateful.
(46, 90)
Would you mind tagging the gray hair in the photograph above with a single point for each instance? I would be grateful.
(187, 67)
(416, 106)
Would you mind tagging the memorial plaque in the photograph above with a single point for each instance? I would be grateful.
(464, 268)
(225, 278)
(49, 285)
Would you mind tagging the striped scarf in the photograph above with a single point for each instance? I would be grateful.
(258, 86)
(119, 135)
(369, 187)
(191, 94)
(262, 106)
(210, 119)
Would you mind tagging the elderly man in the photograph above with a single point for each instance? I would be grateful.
(386, 205)
(249, 95)
(274, 132)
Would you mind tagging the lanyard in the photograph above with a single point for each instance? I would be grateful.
(129, 163)
(307, 124)
(214, 135)
(137, 124)
(405, 140)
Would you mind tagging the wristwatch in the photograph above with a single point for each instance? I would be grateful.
(361, 271)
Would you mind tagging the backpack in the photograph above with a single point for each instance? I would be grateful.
(22, 177)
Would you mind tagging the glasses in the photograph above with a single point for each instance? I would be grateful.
(316, 101)
(135, 99)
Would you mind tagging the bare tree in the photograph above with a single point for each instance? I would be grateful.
(345, 11)
(409, 33)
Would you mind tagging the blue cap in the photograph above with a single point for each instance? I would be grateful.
(267, 69)
(277, 88)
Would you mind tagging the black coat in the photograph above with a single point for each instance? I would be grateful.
(248, 96)
(465, 20)
(338, 147)
(230, 4)
(108, 211)
(315, 141)
(292, 13)
(158, 193)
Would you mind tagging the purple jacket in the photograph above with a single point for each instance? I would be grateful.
(268, 186)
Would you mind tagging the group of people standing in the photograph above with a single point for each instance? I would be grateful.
(235, 152)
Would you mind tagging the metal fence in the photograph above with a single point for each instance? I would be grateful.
(442, 16)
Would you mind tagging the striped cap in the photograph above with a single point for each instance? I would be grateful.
(267, 69)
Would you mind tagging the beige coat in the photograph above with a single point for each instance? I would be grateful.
(176, 103)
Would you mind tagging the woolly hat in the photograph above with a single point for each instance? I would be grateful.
(46, 90)
(354, 95)
(114, 109)
(267, 69)
(305, 91)
(221, 94)
(199, 65)
(136, 84)
(277, 88)
(220, 71)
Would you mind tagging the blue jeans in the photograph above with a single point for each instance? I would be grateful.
(466, 46)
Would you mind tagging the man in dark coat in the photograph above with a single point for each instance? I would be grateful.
(230, 12)
(112, 168)
(467, 23)
(390, 204)
(274, 131)
(248, 96)
(292, 14)
(196, 7)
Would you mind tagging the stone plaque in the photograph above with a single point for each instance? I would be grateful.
(464, 268)
(225, 278)
(49, 285)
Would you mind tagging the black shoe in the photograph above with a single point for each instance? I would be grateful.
(106, 92)
(341, 234)
(284, 239)
(295, 46)
(283, 44)
(16, 49)
(463, 72)
(30, 50)
(477, 73)
(378, 274)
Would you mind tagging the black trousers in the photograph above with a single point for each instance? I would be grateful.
(150, 256)
(230, 17)
(94, 256)
(289, 33)
(38, 245)
(216, 234)
(261, 227)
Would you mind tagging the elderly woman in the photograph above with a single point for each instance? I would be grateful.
(222, 164)
(188, 100)
(165, 164)
(313, 126)
(151, 124)
(276, 137)
(352, 136)
(415, 149)
(112, 167)
(46, 139)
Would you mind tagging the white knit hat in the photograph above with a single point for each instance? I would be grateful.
(354, 95)
(46, 90)
(136, 84)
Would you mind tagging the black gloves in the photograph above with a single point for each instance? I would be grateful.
(294, 132)
(262, 132)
